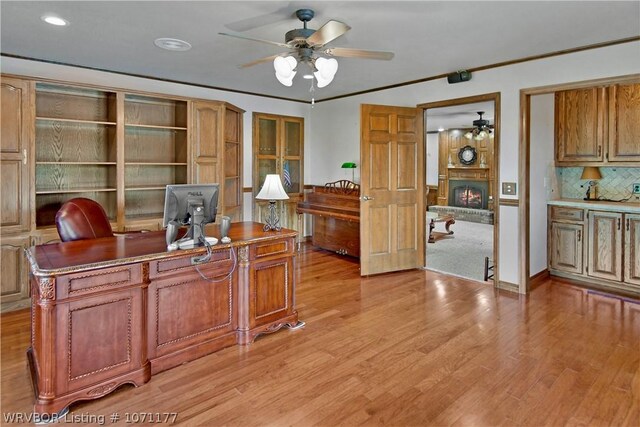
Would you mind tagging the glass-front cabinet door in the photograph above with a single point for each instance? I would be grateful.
(278, 148)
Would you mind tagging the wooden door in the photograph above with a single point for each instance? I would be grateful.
(566, 247)
(624, 123)
(580, 125)
(605, 245)
(392, 189)
(632, 249)
(17, 128)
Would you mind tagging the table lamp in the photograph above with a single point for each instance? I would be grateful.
(272, 190)
(592, 173)
(352, 166)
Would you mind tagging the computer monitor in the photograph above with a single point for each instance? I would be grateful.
(194, 205)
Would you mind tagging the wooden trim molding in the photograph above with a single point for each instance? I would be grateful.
(538, 279)
(509, 202)
(495, 97)
(507, 286)
(247, 189)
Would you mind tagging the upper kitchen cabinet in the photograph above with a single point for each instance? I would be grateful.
(624, 123)
(598, 126)
(579, 124)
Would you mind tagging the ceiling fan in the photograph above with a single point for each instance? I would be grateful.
(306, 46)
(481, 129)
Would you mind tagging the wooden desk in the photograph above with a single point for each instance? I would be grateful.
(117, 310)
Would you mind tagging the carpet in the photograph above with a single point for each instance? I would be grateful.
(462, 253)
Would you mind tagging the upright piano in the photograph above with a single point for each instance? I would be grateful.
(335, 209)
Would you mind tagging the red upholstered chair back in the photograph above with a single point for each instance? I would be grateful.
(80, 219)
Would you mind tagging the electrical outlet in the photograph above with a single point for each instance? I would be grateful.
(636, 188)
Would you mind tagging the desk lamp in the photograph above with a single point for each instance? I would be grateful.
(272, 190)
(352, 166)
(592, 173)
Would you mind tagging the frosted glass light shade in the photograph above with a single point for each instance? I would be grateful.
(272, 189)
(284, 67)
(327, 69)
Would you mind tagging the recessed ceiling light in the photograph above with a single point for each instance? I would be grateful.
(172, 44)
(54, 20)
(440, 129)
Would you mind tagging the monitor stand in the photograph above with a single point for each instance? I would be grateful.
(190, 244)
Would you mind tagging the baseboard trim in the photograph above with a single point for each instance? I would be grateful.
(508, 286)
(538, 279)
(9, 307)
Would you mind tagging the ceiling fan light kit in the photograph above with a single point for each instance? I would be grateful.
(481, 129)
(307, 46)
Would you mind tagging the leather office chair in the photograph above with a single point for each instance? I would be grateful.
(80, 219)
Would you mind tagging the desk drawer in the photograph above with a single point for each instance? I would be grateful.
(221, 263)
(267, 249)
(89, 282)
(568, 214)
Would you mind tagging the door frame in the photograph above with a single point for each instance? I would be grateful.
(524, 163)
(497, 203)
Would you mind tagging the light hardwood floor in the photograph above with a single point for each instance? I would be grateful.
(411, 348)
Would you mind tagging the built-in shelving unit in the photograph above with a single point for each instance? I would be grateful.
(75, 142)
(155, 152)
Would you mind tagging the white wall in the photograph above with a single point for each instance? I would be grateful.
(542, 183)
(432, 159)
(332, 128)
(248, 103)
(329, 144)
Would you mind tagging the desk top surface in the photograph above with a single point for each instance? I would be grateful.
(61, 258)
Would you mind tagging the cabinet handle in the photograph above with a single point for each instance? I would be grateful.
(627, 224)
(24, 156)
(599, 150)
(579, 235)
(618, 223)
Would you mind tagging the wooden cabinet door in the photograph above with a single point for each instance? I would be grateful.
(15, 271)
(605, 245)
(231, 203)
(17, 128)
(632, 249)
(207, 123)
(580, 125)
(624, 123)
(271, 290)
(98, 338)
(566, 247)
(278, 148)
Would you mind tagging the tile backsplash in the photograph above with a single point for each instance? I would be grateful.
(616, 183)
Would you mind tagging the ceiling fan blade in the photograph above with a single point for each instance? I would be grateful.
(238, 36)
(260, 61)
(358, 53)
(328, 32)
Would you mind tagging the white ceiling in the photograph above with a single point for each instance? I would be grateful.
(429, 38)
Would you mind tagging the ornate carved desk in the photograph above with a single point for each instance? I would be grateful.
(117, 310)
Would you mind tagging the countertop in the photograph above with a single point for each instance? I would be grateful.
(630, 207)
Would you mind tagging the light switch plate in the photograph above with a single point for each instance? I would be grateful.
(509, 188)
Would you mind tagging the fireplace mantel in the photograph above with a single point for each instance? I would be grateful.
(470, 174)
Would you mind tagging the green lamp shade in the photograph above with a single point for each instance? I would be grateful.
(348, 165)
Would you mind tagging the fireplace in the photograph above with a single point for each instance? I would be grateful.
(468, 194)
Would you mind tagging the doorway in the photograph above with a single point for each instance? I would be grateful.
(462, 175)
